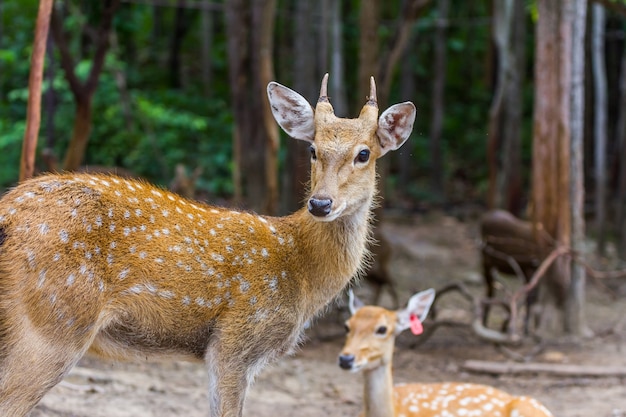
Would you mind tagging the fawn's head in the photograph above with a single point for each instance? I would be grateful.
(372, 331)
(343, 151)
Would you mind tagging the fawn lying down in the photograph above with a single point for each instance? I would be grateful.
(127, 270)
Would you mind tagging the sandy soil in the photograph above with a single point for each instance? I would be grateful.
(427, 252)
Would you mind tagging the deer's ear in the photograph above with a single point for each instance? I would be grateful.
(418, 305)
(292, 112)
(354, 303)
(395, 126)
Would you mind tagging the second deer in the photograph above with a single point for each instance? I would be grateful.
(369, 349)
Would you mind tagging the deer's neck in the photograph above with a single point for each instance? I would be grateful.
(378, 394)
(331, 253)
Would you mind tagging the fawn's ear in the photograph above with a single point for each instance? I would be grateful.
(418, 306)
(353, 302)
(395, 126)
(292, 112)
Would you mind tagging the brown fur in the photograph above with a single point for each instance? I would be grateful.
(127, 270)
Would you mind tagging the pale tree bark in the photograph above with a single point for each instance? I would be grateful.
(600, 122)
(438, 94)
(505, 114)
(369, 20)
(33, 111)
(575, 322)
(621, 141)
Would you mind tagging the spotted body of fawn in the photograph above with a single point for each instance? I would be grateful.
(127, 270)
(369, 349)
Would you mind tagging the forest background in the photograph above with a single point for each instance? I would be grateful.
(174, 92)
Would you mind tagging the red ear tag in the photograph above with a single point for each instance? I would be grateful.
(416, 325)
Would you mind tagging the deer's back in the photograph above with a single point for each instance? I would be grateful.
(149, 268)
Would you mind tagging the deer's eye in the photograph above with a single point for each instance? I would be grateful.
(363, 156)
(382, 330)
(313, 155)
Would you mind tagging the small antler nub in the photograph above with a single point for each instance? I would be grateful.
(372, 100)
(324, 90)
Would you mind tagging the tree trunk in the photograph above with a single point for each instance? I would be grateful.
(553, 115)
(600, 122)
(33, 111)
(83, 91)
(369, 19)
(575, 322)
(438, 94)
(304, 81)
(337, 79)
(264, 22)
(181, 27)
(621, 140)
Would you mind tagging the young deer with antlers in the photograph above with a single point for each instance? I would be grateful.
(127, 270)
(369, 348)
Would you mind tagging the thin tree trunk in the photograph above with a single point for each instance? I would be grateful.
(438, 94)
(33, 111)
(337, 80)
(83, 91)
(621, 140)
(513, 111)
(305, 32)
(265, 9)
(575, 321)
(600, 122)
(502, 22)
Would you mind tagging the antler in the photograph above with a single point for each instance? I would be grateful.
(324, 90)
(372, 100)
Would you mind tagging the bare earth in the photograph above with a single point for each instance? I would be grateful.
(428, 252)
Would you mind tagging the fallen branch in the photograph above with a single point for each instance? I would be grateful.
(515, 368)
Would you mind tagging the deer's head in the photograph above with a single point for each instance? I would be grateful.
(343, 151)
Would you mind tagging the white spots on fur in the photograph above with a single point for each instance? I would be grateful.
(142, 255)
(217, 257)
(44, 229)
(56, 257)
(42, 278)
(264, 253)
(64, 236)
(186, 300)
(156, 193)
(261, 219)
(99, 221)
(159, 260)
(166, 294)
(110, 213)
(70, 280)
(112, 227)
(123, 273)
(126, 231)
(126, 214)
(12, 211)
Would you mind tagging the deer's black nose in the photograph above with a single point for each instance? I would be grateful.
(320, 207)
(346, 361)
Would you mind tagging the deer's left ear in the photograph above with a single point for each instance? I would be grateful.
(395, 126)
(418, 305)
(354, 303)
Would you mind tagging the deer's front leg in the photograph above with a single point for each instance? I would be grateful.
(232, 364)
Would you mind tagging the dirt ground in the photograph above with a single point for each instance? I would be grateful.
(429, 251)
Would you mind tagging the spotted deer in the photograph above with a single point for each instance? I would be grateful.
(369, 349)
(127, 270)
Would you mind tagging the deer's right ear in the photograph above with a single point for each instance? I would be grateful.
(292, 112)
(354, 302)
